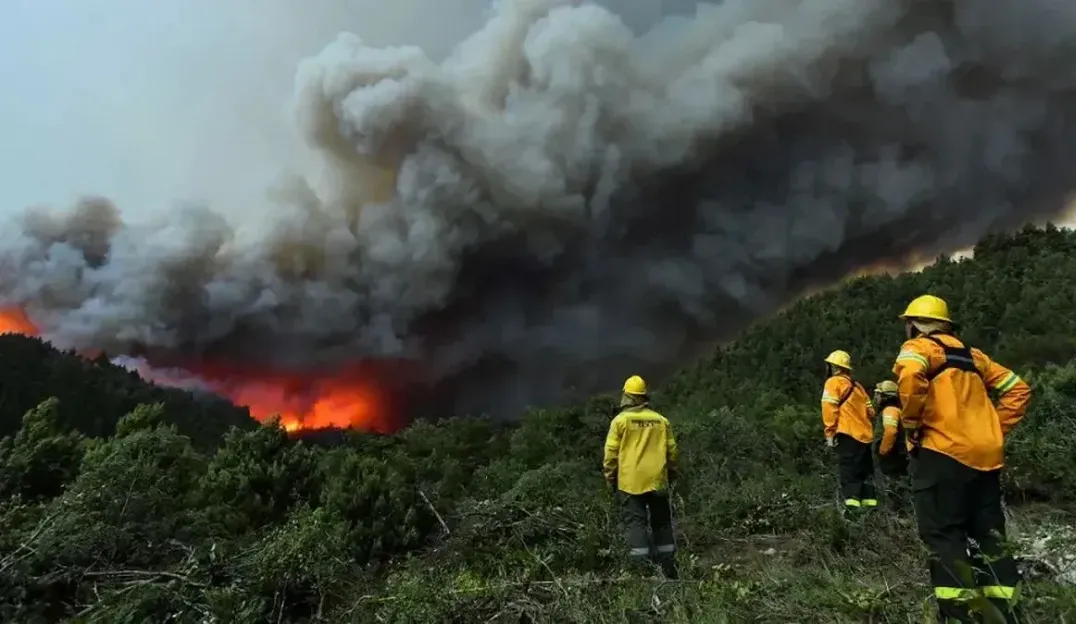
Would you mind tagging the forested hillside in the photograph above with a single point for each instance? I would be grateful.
(465, 521)
(93, 394)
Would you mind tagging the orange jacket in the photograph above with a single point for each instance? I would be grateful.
(943, 390)
(890, 422)
(852, 417)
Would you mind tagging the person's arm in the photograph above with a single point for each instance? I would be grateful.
(1014, 392)
(890, 422)
(911, 367)
(871, 413)
(672, 451)
(612, 449)
(831, 398)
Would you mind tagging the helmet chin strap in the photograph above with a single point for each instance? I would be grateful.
(832, 370)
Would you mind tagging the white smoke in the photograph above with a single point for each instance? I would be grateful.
(563, 201)
(171, 377)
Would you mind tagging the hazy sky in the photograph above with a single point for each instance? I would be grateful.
(152, 102)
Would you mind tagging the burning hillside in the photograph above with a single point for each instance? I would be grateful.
(562, 203)
(13, 321)
(347, 398)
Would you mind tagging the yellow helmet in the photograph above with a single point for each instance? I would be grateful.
(886, 387)
(928, 307)
(635, 385)
(840, 358)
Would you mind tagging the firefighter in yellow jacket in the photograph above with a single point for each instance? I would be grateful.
(848, 417)
(640, 458)
(958, 443)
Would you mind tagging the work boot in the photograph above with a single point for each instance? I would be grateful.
(855, 515)
(955, 614)
(668, 567)
(1006, 613)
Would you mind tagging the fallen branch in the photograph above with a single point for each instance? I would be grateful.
(89, 609)
(15, 557)
(555, 585)
(434, 510)
(552, 575)
(119, 574)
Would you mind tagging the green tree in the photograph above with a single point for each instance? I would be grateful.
(256, 477)
(41, 458)
(382, 506)
(132, 503)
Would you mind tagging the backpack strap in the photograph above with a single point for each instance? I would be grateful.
(955, 357)
(848, 393)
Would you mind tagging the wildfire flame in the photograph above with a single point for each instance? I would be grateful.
(343, 398)
(14, 321)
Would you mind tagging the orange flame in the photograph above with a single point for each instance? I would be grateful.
(14, 321)
(344, 398)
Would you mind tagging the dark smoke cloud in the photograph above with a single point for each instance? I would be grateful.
(562, 202)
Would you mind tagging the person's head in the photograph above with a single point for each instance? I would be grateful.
(634, 392)
(838, 363)
(885, 390)
(926, 315)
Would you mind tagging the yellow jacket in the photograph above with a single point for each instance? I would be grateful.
(639, 451)
(944, 393)
(854, 416)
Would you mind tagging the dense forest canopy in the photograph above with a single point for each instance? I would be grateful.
(94, 394)
(123, 502)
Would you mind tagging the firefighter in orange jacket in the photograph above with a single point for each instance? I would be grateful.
(640, 458)
(893, 447)
(958, 444)
(848, 417)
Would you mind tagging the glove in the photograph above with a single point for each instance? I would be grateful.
(913, 436)
(831, 442)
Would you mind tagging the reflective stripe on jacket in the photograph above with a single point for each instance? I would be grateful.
(639, 450)
(890, 425)
(854, 417)
(943, 390)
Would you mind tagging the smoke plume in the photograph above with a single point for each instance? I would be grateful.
(562, 202)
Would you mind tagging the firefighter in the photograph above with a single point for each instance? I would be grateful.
(640, 460)
(893, 447)
(848, 416)
(957, 437)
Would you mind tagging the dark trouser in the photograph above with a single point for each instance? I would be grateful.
(642, 515)
(855, 470)
(896, 467)
(894, 464)
(953, 503)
